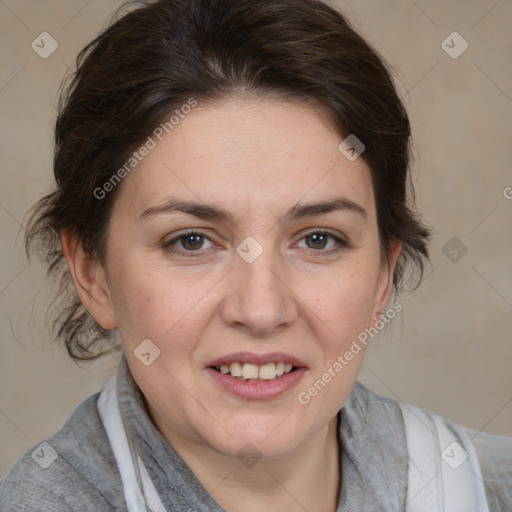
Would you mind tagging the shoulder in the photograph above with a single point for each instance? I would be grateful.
(458, 446)
(74, 470)
(371, 406)
(485, 459)
(495, 458)
(493, 453)
(377, 421)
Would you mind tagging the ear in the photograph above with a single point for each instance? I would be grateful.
(89, 279)
(385, 282)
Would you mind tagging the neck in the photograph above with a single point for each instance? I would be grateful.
(307, 479)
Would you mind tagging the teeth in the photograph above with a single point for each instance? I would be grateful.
(267, 371)
(249, 371)
(235, 369)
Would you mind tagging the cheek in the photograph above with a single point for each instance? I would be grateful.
(342, 302)
(157, 304)
(339, 313)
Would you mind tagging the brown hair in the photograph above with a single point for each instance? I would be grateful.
(154, 58)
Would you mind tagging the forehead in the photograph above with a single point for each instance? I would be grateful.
(248, 154)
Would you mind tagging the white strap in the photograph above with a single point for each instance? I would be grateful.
(444, 474)
(139, 491)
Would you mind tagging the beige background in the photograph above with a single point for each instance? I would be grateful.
(449, 351)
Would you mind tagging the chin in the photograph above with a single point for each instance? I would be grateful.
(260, 440)
(249, 450)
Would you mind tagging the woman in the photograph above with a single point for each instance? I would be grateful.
(231, 200)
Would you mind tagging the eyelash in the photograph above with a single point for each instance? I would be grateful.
(168, 246)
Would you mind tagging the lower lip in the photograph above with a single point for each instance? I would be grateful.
(257, 390)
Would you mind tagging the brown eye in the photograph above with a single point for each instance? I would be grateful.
(188, 244)
(317, 241)
(191, 242)
(322, 242)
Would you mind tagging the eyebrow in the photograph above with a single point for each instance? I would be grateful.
(336, 204)
(215, 213)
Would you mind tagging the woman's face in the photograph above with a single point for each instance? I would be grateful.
(245, 236)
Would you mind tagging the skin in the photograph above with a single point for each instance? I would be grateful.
(256, 158)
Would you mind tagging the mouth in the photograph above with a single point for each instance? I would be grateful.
(256, 373)
(256, 376)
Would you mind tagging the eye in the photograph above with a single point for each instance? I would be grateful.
(187, 243)
(322, 241)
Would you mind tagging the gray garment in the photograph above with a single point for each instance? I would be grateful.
(495, 458)
(85, 477)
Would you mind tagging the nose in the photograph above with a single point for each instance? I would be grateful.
(260, 299)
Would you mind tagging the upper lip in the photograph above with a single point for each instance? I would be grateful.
(258, 359)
